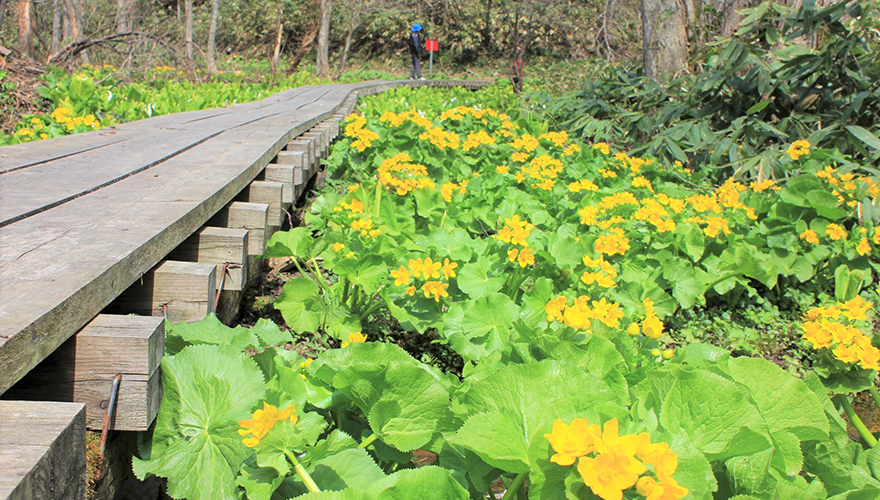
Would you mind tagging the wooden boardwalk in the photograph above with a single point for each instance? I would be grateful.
(83, 217)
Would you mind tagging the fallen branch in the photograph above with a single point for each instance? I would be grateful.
(71, 51)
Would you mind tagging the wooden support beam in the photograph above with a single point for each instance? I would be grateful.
(251, 216)
(308, 147)
(42, 450)
(218, 245)
(285, 175)
(270, 193)
(186, 289)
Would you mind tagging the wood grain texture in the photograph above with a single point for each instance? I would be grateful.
(285, 175)
(218, 245)
(186, 289)
(42, 450)
(74, 259)
(254, 217)
(270, 193)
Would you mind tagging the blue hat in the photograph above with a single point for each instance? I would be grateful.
(417, 27)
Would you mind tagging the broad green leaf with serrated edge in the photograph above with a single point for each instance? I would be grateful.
(196, 445)
(211, 331)
(297, 304)
(269, 333)
(478, 280)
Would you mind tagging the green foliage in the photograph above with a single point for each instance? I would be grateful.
(752, 96)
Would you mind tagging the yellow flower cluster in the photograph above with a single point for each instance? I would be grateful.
(263, 420)
(526, 142)
(403, 176)
(579, 314)
(798, 149)
(846, 186)
(354, 128)
(355, 207)
(354, 338)
(543, 170)
(620, 462)
(428, 269)
(525, 257)
(441, 138)
(833, 327)
(760, 187)
(571, 149)
(476, 139)
(654, 212)
(365, 226)
(459, 112)
(65, 117)
(602, 147)
(557, 138)
(448, 189)
(582, 185)
(612, 243)
(605, 275)
(515, 231)
(396, 119)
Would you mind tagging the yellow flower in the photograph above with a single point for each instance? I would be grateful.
(431, 269)
(44, 136)
(526, 257)
(448, 268)
(798, 149)
(502, 169)
(410, 291)
(305, 364)
(652, 326)
(263, 420)
(602, 147)
(863, 248)
(555, 308)
(362, 224)
(355, 338)
(835, 232)
(337, 247)
(666, 489)
(810, 236)
(572, 442)
(401, 276)
(610, 473)
(512, 253)
(435, 288)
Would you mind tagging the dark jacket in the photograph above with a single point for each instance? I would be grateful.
(415, 43)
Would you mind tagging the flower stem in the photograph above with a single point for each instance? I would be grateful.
(302, 473)
(368, 441)
(856, 421)
(514, 486)
(875, 394)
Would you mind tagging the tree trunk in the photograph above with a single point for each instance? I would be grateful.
(664, 32)
(486, 35)
(188, 36)
(75, 17)
(25, 28)
(323, 63)
(212, 37)
(279, 31)
(121, 16)
(353, 25)
(2, 13)
(57, 25)
(730, 18)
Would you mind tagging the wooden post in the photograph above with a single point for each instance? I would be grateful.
(83, 368)
(284, 174)
(43, 452)
(218, 245)
(270, 193)
(250, 216)
(185, 289)
(308, 147)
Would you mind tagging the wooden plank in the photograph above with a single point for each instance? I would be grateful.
(305, 146)
(270, 193)
(251, 216)
(285, 175)
(218, 245)
(296, 158)
(182, 291)
(43, 452)
(99, 244)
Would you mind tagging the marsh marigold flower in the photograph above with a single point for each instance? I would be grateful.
(572, 442)
(263, 420)
(835, 232)
(810, 236)
(354, 338)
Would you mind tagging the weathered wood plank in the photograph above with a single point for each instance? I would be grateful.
(98, 244)
(285, 175)
(182, 291)
(270, 193)
(218, 245)
(254, 217)
(43, 452)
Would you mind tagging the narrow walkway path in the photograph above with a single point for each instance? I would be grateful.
(85, 216)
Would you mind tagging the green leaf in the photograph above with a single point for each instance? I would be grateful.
(195, 443)
(300, 305)
(211, 331)
(350, 468)
(864, 135)
(478, 279)
(297, 242)
(291, 437)
(269, 333)
(485, 326)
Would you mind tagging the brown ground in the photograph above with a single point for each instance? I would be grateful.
(25, 74)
